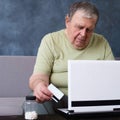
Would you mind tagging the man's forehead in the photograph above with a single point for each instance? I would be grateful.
(83, 13)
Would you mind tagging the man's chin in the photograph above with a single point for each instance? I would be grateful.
(80, 47)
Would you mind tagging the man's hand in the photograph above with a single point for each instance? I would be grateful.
(39, 84)
(42, 93)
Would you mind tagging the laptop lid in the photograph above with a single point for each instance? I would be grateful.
(93, 86)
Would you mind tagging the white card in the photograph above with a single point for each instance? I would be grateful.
(56, 92)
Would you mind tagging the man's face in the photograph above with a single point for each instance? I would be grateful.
(79, 29)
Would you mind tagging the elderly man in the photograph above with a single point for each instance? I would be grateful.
(76, 41)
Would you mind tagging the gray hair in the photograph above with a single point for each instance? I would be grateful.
(89, 10)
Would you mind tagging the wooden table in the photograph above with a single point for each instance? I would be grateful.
(58, 117)
(41, 117)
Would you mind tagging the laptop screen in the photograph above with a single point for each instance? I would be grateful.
(93, 85)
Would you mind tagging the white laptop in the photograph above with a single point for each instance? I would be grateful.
(93, 87)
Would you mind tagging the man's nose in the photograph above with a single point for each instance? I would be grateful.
(83, 32)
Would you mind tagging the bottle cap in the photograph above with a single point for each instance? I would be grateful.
(30, 97)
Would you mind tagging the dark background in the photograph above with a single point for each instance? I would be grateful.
(24, 22)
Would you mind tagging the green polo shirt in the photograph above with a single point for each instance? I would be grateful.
(55, 50)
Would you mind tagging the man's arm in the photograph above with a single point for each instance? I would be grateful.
(39, 84)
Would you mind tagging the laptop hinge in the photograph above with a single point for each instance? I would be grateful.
(116, 109)
(70, 111)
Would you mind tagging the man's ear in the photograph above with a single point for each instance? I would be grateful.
(67, 20)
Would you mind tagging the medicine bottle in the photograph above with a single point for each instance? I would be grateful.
(30, 110)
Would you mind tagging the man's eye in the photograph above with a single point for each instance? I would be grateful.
(89, 30)
(80, 28)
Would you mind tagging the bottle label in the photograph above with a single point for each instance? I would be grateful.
(31, 115)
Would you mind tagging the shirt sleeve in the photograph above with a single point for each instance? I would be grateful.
(108, 52)
(44, 60)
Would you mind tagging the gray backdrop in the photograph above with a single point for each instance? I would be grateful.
(24, 22)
